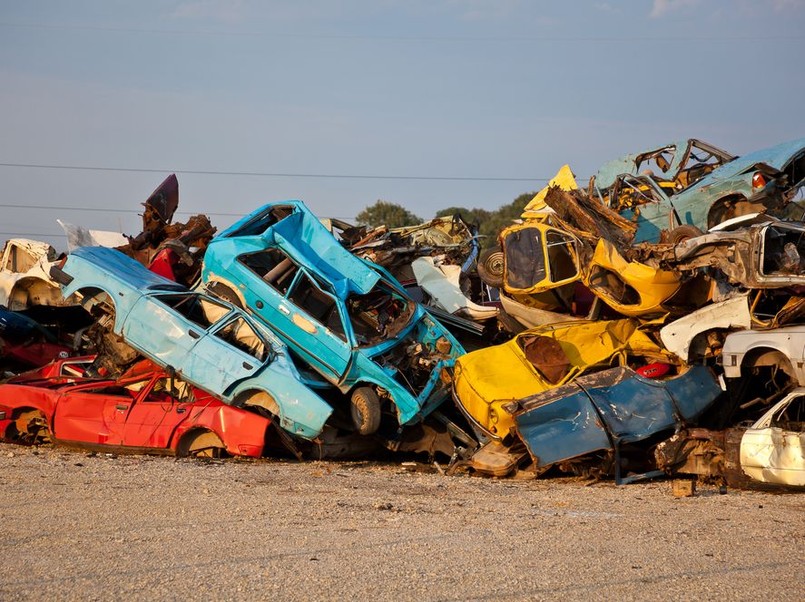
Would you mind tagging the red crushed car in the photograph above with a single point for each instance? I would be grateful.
(144, 411)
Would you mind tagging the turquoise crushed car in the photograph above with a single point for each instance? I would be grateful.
(684, 189)
(344, 317)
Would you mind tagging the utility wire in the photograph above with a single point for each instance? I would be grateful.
(26, 234)
(412, 38)
(106, 210)
(271, 174)
(137, 211)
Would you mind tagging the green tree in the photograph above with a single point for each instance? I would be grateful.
(490, 223)
(383, 213)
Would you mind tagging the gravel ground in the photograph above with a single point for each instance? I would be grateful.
(99, 526)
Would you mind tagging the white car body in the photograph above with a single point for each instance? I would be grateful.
(441, 282)
(680, 334)
(25, 275)
(766, 347)
(772, 449)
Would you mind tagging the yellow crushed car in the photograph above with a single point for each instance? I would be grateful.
(542, 358)
(544, 263)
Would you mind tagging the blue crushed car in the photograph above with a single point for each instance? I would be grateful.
(208, 342)
(607, 414)
(346, 318)
(684, 162)
(701, 187)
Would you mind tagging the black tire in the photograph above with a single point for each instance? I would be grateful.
(680, 233)
(222, 291)
(365, 410)
(490, 267)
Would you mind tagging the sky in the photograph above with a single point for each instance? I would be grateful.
(425, 103)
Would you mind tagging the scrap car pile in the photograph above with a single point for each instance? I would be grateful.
(651, 324)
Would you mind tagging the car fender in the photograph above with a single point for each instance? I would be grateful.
(242, 432)
(301, 411)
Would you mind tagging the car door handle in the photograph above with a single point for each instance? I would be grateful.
(122, 407)
(193, 334)
(247, 365)
(181, 410)
(284, 310)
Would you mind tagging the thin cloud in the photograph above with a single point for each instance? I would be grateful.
(784, 5)
(219, 10)
(663, 7)
(478, 10)
(605, 7)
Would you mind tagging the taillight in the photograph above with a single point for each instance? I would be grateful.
(758, 180)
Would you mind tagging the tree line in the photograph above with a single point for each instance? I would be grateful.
(489, 223)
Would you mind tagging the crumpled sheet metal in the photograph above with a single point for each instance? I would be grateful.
(730, 314)
(602, 411)
(441, 282)
(536, 207)
(629, 287)
(488, 379)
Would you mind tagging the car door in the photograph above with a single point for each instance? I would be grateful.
(773, 449)
(167, 327)
(304, 316)
(318, 326)
(154, 414)
(226, 354)
(95, 414)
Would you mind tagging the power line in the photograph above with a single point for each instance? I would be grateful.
(136, 211)
(104, 209)
(397, 38)
(26, 234)
(271, 174)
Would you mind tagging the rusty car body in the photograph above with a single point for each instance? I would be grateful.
(761, 181)
(764, 255)
(769, 452)
(684, 162)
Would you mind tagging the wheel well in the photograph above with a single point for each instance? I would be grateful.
(93, 296)
(11, 429)
(223, 290)
(765, 356)
(260, 399)
(183, 446)
(27, 288)
(728, 207)
(769, 358)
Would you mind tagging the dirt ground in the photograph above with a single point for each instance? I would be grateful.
(77, 525)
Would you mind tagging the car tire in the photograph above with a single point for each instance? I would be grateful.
(490, 267)
(365, 410)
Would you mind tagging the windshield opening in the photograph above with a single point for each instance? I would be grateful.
(378, 315)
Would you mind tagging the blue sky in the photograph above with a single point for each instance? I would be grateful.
(428, 104)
